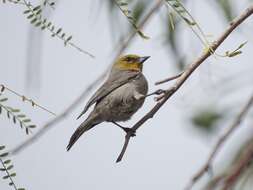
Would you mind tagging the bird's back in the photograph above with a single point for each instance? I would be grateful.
(122, 103)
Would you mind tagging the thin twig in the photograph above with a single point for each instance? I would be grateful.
(60, 117)
(244, 161)
(221, 141)
(239, 168)
(187, 73)
(169, 79)
(57, 119)
(3, 87)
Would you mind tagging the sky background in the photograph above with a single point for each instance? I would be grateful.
(166, 151)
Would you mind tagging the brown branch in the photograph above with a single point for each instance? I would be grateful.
(180, 81)
(169, 79)
(69, 109)
(57, 119)
(23, 98)
(221, 141)
(242, 164)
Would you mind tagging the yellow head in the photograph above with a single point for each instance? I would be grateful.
(130, 62)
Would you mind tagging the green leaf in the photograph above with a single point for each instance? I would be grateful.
(59, 30)
(10, 167)
(3, 99)
(8, 114)
(13, 175)
(37, 8)
(67, 40)
(27, 131)
(26, 120)
(15, 110)
(27, 11)
(7, 161)
(38, 24)
(30, 16)
(33, 20)
(2, 147)
(2, 88)
(14, 119)
(6, 177)
(21, 115)
(4, 154)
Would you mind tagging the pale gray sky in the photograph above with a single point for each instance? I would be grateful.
(165, 154)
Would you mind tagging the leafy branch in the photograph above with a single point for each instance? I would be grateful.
(7, 168)
(34, 15)
(179, 8)
(235, 52)
(16, 116)
(123, 6)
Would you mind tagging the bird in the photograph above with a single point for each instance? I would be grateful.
(121, 95)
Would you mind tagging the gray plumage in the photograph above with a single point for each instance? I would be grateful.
(117, 99)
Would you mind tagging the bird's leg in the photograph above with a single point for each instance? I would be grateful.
(126, 129)
(157, 92)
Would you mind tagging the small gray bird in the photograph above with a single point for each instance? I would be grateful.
(118, 98)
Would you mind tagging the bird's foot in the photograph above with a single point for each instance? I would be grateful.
(129, 130)
(126, 129)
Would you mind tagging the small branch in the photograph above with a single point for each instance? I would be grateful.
(57, 119)
(3, 87)
(187, 73)
(239, 168)
(169, 79)
(221, 141)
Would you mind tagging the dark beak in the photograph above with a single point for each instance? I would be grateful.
(143, 59)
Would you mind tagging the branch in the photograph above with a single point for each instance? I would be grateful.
(70, 108)
(221, 141)
(169, 79)
(180, 81)
(57, 119)
(240, 167)
(33, 103)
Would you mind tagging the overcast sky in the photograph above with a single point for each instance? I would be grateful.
(166, 152)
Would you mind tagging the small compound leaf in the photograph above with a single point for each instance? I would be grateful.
(2, 147)
(4, 154)
(10, 167)
(7, 161)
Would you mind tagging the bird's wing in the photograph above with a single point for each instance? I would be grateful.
(114, 81)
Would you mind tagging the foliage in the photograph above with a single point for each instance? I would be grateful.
(206, 119)
(16, 116)
(34, 15)
(7, 168)
(123, 6)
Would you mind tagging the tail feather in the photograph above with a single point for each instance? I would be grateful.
(85, 126)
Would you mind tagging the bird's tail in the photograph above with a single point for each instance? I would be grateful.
(85, 126)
